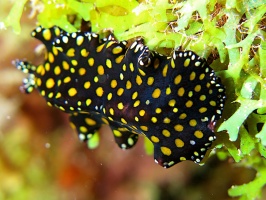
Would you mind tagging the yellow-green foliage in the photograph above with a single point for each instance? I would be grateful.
(232, 29)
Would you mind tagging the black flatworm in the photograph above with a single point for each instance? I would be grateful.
(174, 100)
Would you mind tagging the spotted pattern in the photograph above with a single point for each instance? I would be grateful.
(174, 100)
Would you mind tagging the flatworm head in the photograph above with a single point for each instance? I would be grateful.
(174, 100)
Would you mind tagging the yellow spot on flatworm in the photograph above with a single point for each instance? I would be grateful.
(178, 79)
(172, 102)
(117, 50)
(175, 110)
(91, 62)
(72, 92)
(51, 57)
(46, 34)
(99, 48)
(212, 103)
(154, 139)
(84, 53)
(197, 88)
(88, 102)
(108, 63)
(181, 91)
(144, 128)
(192, 76)
(117, 133)
(50, 83)
(168, 91)
(128, 85)
(57, 70)
(150, 80)
(186, 63)
(47, 66)
(119, 59)
(165, 69)
(113, 83)
(58, 95)
(189, 103)
(90, 121)
(192, 122)
(179, 143)
(87, 85)
(183, 116)
(178, 127)
(201, 77)
(202, 109)
(166, 151)
(55, 51)
(38, 82)
(124, 67)
(99, 91)
(40, 70)
(109, 96)
(198, 134)
(74, 62)
(83, 129)
(158, 110)
(154, 119)
(65, 65)
(120, 106)
(79, 40)
(136, 103)
(134, 95)
(166, 133)
(142, 113)
(67, 79)
(82, 71)
(166, 120)
(131, 67)
(70, 52)
(123, 121)
(138, 80)
(111, 110)
(202, 97)
(120, 91)
(50, 95)
(100, 70)
(142, 72)
(156, 93)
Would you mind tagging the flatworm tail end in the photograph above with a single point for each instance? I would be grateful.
(28, 83)
(86, 124)
(125, 139)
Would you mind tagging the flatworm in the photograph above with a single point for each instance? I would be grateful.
(174, 100)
